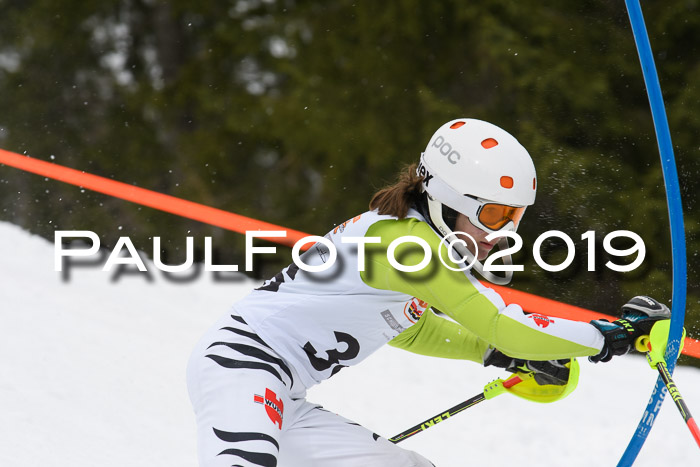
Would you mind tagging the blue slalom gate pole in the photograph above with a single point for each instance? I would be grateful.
(675, 213)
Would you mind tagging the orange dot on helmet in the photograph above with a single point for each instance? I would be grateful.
(489, 143)
(506, 181)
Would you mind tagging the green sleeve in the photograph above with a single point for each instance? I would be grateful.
(439, 337)
(454, 293)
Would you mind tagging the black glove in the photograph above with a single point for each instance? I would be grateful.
(544, 372)
(638, 317)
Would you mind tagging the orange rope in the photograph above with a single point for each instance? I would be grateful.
(180, 207)
(237, 223)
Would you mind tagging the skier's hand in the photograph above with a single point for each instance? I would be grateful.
(544, 372)
(638, 317)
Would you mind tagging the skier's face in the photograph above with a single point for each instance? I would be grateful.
(464, 225)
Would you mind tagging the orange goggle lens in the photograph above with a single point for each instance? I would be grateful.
(496, 216)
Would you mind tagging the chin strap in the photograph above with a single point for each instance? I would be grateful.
(434, 218)
(478, 267)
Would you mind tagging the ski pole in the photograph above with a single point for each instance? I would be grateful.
(642, 344)
(490, 390)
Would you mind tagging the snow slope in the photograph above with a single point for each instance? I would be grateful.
(92, 374)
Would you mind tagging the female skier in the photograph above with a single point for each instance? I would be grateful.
(248, 375)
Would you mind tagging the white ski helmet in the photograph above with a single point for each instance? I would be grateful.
(477, 169)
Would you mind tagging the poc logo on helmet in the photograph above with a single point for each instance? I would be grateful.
(446, 150)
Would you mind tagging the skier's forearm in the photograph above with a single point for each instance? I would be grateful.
(438, 337)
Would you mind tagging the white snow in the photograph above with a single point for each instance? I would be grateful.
(92, 374)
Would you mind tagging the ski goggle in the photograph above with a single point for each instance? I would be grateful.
(496, 216)
(490, 216)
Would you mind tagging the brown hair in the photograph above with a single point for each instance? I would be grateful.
(396, 199)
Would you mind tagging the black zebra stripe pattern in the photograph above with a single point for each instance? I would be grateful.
(263, 360)
(257, 458)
